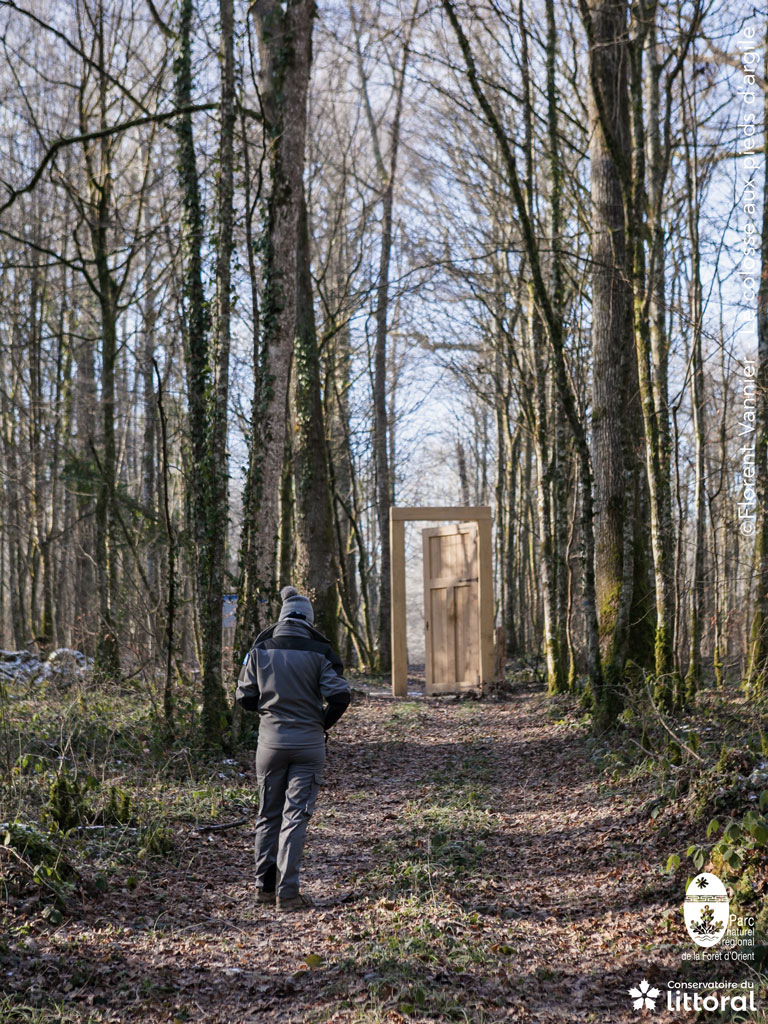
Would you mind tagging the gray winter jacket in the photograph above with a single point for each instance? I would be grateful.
(288, 673)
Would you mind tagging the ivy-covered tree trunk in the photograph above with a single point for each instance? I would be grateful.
(59, 498)
(514, 561)
(315, 563)
(549, 556)
(629, 165)
(99, 178)
(285, 35)
(213, 556)
(82, 500)
(13, 496)
(652, 396)
(611, 342)
(559, 452)
(696, 609)
(654, 293)
(195, 307)
(149, 454)
(381, 433)
(107, 662)
(248, 613)
(337, 361)
(204, 480)
(556, 343)
(287, 532)
(42, 584)
(536, 402)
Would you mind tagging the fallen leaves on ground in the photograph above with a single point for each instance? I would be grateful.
(467, 860)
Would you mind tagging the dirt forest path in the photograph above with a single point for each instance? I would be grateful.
(468, 860)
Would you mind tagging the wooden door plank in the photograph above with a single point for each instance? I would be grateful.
(397, 577)
(461, 632)
(451, 528)
(450, 644)
(458, 598)
(439, 618)
(451, 581)
(429, 679)
(468, 513)
(485, 600)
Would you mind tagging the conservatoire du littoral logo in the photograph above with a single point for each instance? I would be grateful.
(695, 997)
(706, 909)
(644, 997)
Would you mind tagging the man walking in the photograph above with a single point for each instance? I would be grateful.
(288, 674)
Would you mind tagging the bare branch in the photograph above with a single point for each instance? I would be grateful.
(75, 49)
(69, 140)
(165, 29)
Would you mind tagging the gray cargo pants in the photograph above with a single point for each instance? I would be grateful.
(288, 781)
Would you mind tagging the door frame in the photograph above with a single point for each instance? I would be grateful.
(398, 516)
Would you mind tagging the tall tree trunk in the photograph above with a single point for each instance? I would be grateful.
(526, 533)
(86, 576)
(658, 162)
(629, 167)
(513, 563)
(503, 510)
(541, 422)
(285, 52)
(171, 581)
(99, 178)
(315, 562)
(383, 443)
(9, 396)
(548, 534)
(384, 490)
(195, 325)
(248, 614)
(214, 553)
(42, 601)
(560, 469)
(107, 654)
(556, 342)
(337, 363)
(149, 500)
(697, 590)
(287, 531)
(62, 601)
(611, 343)
(206, 370)
(716, 462)
(652, 386)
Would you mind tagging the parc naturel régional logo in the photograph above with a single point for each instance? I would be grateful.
(706, 909)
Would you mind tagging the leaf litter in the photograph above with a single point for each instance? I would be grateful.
(467, 861)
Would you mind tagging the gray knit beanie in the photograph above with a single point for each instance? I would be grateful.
(295, 604)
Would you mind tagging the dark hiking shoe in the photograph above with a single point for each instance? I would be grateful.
(262, 896)
(290, 903)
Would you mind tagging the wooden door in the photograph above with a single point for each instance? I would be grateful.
(451, 608)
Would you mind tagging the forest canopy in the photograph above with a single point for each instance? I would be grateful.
(269, 269)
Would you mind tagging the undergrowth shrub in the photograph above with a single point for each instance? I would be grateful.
(86, 773)
(739, 856)
(119, 809)
(66, 801)
(36, 859)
